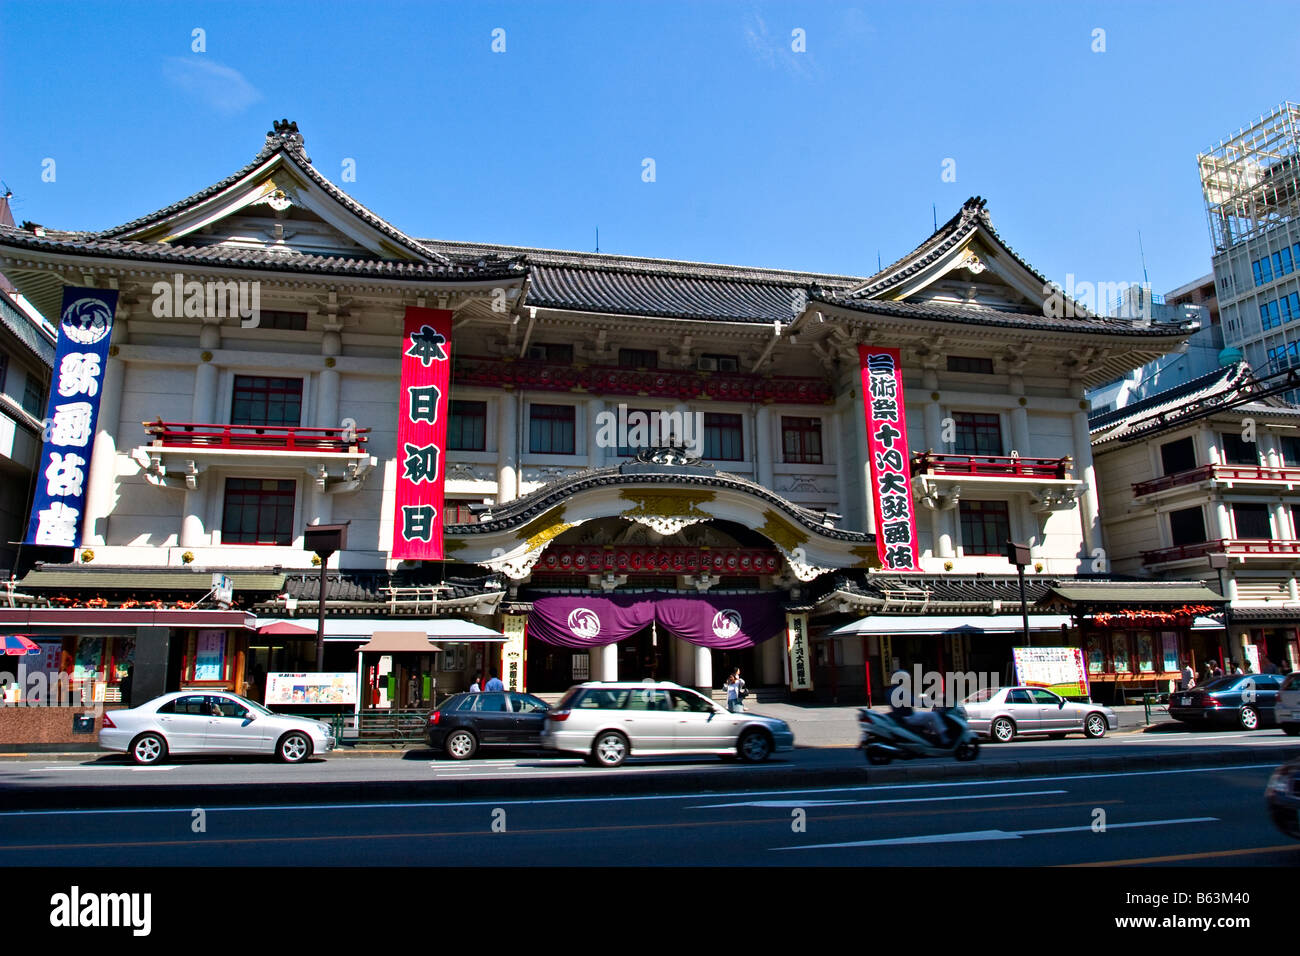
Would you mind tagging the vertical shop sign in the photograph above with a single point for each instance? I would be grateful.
(512, 652)
(891, 479)
(422, 434)
(85, 325)
(797, 646)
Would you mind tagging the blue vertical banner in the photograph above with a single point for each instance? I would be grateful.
(85, 324)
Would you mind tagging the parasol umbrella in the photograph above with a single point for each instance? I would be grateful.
(16, 645)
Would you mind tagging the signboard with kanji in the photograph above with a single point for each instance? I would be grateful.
(796, 637)
(891, 477)
(422, 434)
(63, 479)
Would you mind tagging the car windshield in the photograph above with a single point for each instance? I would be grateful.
(982, 696)
(1292, 682)
(252, 705)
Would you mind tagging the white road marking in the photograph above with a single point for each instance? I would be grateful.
(1067, 778)
(978, 835)
(850, 803)
(151, 769)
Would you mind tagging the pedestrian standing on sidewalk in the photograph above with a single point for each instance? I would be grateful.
(733, 692)
(494, 683)
(1188, 679)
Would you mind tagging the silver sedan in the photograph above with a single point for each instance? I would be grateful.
(1002, 713)
(211, 722)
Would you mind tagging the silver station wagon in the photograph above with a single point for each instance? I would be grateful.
(607, 722)
(1002, 713)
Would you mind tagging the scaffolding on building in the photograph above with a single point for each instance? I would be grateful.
(1251, 181)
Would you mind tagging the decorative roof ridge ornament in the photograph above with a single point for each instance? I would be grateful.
(284, 134)
(667, 455)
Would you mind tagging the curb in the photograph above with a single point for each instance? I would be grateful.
(613, 784)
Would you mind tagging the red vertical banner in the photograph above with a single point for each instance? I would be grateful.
(422, 434)
(891, 473)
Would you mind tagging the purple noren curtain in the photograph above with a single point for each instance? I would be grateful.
(718, 621)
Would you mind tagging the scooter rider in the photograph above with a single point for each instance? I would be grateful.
(904, 709)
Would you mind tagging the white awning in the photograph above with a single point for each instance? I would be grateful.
(950, 624)
(361, 629)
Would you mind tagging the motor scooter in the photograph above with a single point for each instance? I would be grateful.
(885, 739)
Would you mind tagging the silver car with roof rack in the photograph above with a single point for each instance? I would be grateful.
(609, 721)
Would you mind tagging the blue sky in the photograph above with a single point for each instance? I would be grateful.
(817, 160)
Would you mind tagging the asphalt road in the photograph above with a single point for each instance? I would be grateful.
(112, 770)
(1211, 816)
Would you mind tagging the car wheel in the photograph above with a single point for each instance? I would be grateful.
(610, 749)
(1291, 729)
(968, 750)
(754, 747)
(1249, 718)
(1002, 730)
(293, 748)
(148, 749)
(1095, 726)
(460, 745)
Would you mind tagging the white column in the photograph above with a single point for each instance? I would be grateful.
(507, 448)
(1282, 523)
(103, 457)
(1020, 420)
(203, 411)
(1089, 513)
(941, 522)
(1271, 456)
(770, 655)
(595, 454)
(763, 447)
(703, 668)
(863, 463)
(1220, 520)
(328, 387)
(608, 662)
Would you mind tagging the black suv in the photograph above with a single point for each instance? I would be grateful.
(466, 722)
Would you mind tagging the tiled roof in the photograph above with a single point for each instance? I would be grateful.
(948, 589)
(971, 216)
(978, 315)
(1169, 408)
(671, 288)
(257, 258)
(37, 340)
(362, 587)
(286, 140)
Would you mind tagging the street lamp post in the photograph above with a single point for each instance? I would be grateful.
(324, 540)
(1018, 554)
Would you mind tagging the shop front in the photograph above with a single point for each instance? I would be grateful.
(857, 661)
(1136, 637)
(94, 659)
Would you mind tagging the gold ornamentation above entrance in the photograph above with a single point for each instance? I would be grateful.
(541, 531)
(667, 511)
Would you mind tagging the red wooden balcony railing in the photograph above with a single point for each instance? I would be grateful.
(680, 384)
(1217, 473)
(1241, 547)
(635, 558)
(990, 466)
(259, 437)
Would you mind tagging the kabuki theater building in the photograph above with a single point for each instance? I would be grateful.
(556, 465)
